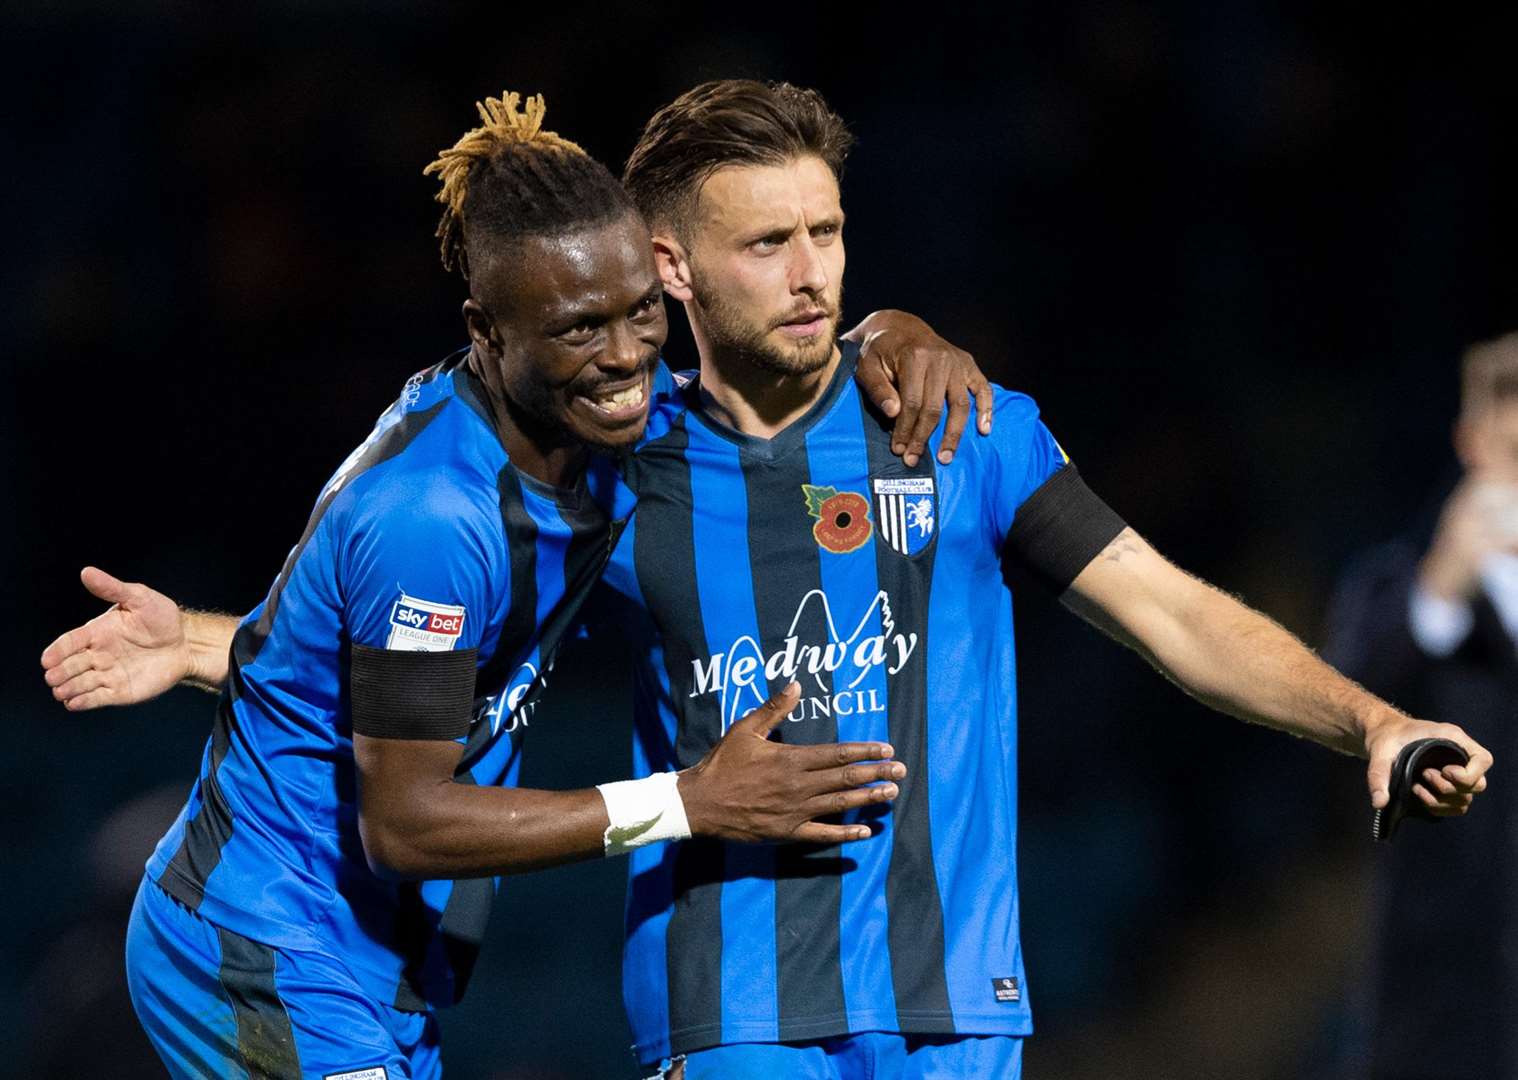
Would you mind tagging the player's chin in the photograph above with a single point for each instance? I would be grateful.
(792, 356)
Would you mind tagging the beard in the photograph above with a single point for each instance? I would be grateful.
(730, 330)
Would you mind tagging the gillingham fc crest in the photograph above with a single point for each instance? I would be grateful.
(906, 512)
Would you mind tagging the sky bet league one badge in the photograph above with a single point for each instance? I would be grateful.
(418, 625)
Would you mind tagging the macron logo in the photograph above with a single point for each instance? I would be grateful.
(418, 625)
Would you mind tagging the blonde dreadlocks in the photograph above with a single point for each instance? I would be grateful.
(508, 178)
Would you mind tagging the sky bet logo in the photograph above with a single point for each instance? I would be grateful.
(424, 626)
(422, 619)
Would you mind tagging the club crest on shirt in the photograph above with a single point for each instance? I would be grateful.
(843, 518)
(418, 625)
(906, 509)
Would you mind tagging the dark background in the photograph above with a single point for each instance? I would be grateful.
(1234, 255)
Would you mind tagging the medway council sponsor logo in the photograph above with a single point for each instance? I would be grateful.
(829, 671)
(513, 708)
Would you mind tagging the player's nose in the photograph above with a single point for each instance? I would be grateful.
(808, 274)
(625, 350)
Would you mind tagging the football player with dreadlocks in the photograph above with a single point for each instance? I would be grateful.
(325, 886)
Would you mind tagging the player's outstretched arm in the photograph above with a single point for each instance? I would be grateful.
(141, 646)
(910, 373)
(416, 822)
(1240, 662)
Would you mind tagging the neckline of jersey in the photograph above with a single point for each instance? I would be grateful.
(794, 433)
(468, 388)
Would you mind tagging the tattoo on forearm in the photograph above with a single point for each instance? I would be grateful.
(1125, 544)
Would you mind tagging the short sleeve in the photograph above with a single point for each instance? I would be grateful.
(416, 579)
(1046, 517)
(1024, 455)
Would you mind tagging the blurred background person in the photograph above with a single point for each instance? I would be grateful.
(1430, 621)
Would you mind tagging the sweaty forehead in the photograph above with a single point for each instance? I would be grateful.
(739, 198)
(609, 266)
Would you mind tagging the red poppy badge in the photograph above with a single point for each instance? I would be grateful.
(843, 518)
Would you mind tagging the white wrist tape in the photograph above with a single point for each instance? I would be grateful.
(643, 812)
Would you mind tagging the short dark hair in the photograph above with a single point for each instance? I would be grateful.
(509, 179)
(727, 122)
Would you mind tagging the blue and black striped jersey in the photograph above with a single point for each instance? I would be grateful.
(819, 556)
(426, 538)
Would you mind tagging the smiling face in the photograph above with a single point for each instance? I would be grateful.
(569, 328)
(766, 258)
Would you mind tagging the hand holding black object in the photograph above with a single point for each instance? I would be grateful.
(1414, 758)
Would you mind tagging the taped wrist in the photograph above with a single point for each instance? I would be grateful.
(643, 812)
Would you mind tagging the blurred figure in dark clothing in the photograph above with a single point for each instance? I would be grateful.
(1430, 622)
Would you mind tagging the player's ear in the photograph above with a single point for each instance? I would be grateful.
(674, 266)
(480, 326)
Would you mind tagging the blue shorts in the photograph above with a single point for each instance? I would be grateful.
(214, 1003)
(873, 1055)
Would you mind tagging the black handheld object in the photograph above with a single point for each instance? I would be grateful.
(1407, 770)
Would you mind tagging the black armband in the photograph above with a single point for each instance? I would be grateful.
(412, 695)
(1060, 528)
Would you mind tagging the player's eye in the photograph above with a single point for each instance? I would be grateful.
(579, 333)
